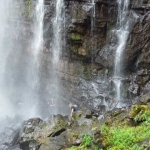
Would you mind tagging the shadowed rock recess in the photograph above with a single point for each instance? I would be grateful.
(86, 70)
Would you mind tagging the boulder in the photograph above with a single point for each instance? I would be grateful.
(145, 98)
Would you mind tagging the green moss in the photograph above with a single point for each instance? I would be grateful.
(75, 36)
(60, 124)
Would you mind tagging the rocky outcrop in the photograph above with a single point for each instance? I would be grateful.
(57, 132)
(85, 130)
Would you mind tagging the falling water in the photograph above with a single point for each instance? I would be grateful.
(93, 3)
(38, 43)
(18, 64)
(57, 31)
(122, 32)
(5, 47)
(93, 26)
(57, 44)
(33, 70)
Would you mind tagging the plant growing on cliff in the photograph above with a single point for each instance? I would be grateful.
(86, 140)
(126, 137)
(86, 143)
(140, 113)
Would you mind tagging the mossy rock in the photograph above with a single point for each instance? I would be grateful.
(75, 36)
(140, 113)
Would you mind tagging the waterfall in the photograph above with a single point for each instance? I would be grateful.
(57, 44)
(19, 60)
(122, 32)
(38, 42)
(33, 74)
(93, 3)
(57, 32)
(93, 25)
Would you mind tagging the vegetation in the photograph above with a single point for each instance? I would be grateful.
(128, 136)
(86, 143)
(125, 137)
(140, 113)
(132, 133)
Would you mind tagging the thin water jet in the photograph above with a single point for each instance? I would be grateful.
(57, 44)
(122, 32)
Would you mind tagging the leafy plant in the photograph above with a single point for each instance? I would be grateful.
(140, 113)
(87, 140)
(86, 143)
(104, 129)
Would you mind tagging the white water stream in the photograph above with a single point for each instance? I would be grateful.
(19, 68)
(122, 32)
(38, 27)
(57, 32)
(57, 44)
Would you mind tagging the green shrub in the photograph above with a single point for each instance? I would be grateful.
(86, 143)
(125, 138)
(87, 140)
(140, 113)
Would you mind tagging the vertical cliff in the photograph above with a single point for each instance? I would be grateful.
(87, 60)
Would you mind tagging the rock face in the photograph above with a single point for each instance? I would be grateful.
(88, 53)
(88, 58)
(86, 64)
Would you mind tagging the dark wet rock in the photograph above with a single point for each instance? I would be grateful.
(134, 88)
(56, 143)
(58, 131)
(27, 134)
(17, 147)
(138, 43)
(147, 87)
